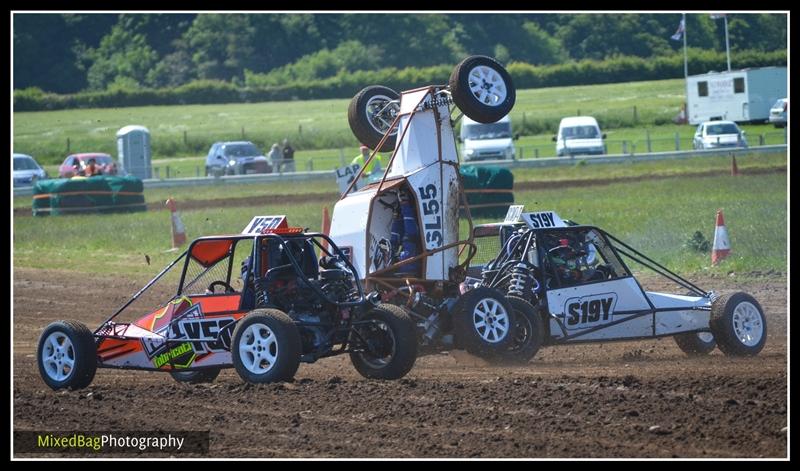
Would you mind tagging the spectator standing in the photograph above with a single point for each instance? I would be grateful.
(374, 166)
(288, 156)
(275, 157)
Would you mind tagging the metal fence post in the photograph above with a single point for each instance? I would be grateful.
(649, 145)
(242, 132)
(167, 176)
(635, 115)
(624, 147)
(185, 139)
(197, 171)
(67, 145)
(677, 141)
(761, 139)
(536, 152)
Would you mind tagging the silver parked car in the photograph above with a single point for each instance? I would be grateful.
(27, 171)
(779, 113)
(718, 134)
(236, 158)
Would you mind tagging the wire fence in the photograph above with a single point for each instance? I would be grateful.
(185, 168)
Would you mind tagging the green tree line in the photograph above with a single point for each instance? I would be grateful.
(69, 53)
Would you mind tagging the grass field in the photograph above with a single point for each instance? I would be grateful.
(318, 124)
(577, 171)
(656, 216)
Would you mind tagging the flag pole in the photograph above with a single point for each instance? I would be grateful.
(727, 45)
(685, 60)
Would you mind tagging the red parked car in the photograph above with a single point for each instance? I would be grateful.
(75, 164)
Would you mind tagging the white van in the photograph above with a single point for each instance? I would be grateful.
(579, 135)
(492, 141)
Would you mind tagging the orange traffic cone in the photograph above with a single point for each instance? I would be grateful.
(734, 168)
(722, 246)
(178, 229)
(326, 225)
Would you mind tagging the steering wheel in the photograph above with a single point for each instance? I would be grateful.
(228, 288)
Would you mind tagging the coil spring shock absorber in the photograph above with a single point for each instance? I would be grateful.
(521, 282)
(262, 299)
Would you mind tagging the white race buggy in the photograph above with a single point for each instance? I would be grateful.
(572, 285)
(402, 233)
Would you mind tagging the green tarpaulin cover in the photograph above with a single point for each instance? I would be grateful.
(88, 195)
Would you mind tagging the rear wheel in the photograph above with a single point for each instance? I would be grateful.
(67, 355)
(371, 113)
(482, 321)
(738, 324)
(266, 347)
(696, 343)
(482, 89)
(389, 341)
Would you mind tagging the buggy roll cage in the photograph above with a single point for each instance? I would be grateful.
(440, 95)
(500, 263)
(312, 236)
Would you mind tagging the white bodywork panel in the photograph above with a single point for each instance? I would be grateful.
(586, 307)
(679, 321)
(432, 179)
(601, 300)
(348, 226)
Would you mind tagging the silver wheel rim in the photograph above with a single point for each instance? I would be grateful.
(705, 337)
(747, 324)
(258, 349)
(381, 112)
(487, 86)
(490, 320)
(58, 356)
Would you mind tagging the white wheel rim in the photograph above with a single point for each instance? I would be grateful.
(487, 86)
(258, 349)
(706, 337)
(58, 356)
(380, 121)
(747, 324)
(490, 320)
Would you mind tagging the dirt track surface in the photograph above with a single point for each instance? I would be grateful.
(627, 399)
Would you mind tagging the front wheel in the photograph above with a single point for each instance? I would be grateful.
(67, 355)
(696, 343)
(482, 322)
(387, 343)
(738, 323)
(266, 347)
(527, 334)
(482, 89)
(370, 115)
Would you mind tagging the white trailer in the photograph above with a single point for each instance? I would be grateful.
(739, 95)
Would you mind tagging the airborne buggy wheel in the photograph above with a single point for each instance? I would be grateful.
(696, 343)
(265, 347)
(527, 334)
(67, 355)
(482, 89)
(370, 115)
(196, 376)
(482, 322)
(738, 324)
(390, 343)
